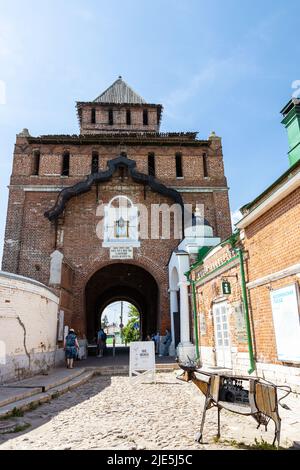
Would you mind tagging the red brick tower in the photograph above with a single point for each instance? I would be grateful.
(59, 181)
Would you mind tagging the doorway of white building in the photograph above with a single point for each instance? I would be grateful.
(222, 339)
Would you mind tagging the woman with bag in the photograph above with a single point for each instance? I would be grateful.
(71, 348)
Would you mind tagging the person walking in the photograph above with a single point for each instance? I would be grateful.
(101, 340)
(71, 348)
(167, 342)
(156, 341)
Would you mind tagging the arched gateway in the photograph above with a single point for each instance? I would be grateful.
(122, 281)
(64, 187)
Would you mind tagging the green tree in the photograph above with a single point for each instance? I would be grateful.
(104, 322)
(130, 332)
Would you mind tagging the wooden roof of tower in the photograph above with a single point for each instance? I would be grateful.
(118, 94)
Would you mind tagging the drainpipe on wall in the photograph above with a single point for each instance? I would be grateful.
(194, 313)
(239, 254)
(239, 251)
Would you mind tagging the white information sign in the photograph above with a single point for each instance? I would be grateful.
(285, 308)
(142, 358)
(121, 252)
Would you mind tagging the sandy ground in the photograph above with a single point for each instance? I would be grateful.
(114, 413)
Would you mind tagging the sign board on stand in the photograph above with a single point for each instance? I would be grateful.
(142, 359)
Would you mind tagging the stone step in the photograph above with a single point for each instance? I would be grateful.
(11, 394)
(39, 398)
(45, 382)
(124, 370)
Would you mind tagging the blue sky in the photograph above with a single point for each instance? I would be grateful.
(226, 66)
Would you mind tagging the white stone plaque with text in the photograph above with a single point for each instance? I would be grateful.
(121, 252)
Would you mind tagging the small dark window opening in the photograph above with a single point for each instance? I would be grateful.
(36, 162)
(123, 172)
(93, 116)
(151, 164)
(128, 117)
(95, 162)
(110, 117)
(145, 117)
(158, 115)
(205, 166)
(179, 172)
(65, 164)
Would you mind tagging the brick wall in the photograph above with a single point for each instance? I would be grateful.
(30, 238)
(271, 244)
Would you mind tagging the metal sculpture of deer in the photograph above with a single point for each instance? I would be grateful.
(246, 396)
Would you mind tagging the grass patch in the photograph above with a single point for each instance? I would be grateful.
(18, 428)
(258, 445)
(16, 413)
(55, 395)
(33, 406)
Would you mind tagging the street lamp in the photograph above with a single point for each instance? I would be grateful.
(121, 322)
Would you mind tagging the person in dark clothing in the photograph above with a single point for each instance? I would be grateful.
(71, 348)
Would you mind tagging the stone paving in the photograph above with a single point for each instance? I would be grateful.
(115, 413)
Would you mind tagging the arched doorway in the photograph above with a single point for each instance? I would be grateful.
(122, 282)
(121, 322)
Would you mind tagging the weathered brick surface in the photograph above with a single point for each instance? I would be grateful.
(271, 244)
(30, 238)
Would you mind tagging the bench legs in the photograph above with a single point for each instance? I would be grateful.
(219, 423)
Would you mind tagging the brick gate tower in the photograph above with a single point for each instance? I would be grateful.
(63, 186)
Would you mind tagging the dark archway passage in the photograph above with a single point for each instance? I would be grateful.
(120, 281)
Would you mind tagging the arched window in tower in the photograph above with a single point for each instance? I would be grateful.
(145, 117)
(128, 117)
(151, 164)
(120, 223)
(95, 162)
(65, 170)
(110, 117)
(36, 162)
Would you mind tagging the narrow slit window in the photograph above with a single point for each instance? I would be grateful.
(128, 117)
(158, 116)
(95, 162)
(36, 162)
(205, 166)
(110, 117)
(65, 164)
(151, 164)
(145, 117)
(179, 172)
(93, 116)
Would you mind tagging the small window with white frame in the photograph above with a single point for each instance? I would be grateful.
(121, 223)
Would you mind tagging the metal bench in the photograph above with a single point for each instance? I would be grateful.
(246, 396)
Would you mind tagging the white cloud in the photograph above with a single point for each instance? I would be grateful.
(235, 217)
(216, 75)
